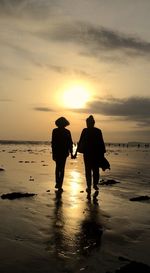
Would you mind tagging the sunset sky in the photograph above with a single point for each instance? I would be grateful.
(75, 58)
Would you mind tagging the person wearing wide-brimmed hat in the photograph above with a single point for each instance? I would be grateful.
(62, 146)
(92, 145)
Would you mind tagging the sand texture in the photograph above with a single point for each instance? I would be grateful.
(43, 231)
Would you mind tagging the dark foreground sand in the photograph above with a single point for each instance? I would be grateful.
(51, 232)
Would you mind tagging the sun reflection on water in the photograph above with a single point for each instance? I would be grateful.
(75, 179)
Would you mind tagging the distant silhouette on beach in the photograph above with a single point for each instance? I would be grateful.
(62, 146)
(92, 145)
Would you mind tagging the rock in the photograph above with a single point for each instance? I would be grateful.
(134, 267)
(1, 169)
(31, 178)
(16, 195)
(109, 182)
(123, 259)
(140, 198)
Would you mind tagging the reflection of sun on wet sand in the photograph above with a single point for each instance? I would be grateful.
(66, 231)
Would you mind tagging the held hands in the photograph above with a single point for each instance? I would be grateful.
(74, 156)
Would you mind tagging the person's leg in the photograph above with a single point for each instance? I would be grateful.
(96, 177)
(62, 172)
(88, 174)
(57, 174)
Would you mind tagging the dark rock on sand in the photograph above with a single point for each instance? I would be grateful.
(140, 198)
(16, 195)
(31, 178)
(1, 169)
(134, 267)
(123, 259)
(109, 182)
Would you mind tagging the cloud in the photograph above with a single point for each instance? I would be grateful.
(43, 109)
(69, 70)
(135, 109)
(33, 8)
(97, 39)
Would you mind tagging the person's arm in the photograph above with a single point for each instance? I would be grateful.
(70, 145)
(80, 144)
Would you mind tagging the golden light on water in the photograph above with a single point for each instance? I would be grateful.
(75, 177)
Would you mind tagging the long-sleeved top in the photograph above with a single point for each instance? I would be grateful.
(91, 144)
(62, 143)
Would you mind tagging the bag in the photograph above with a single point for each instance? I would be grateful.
(104, 164)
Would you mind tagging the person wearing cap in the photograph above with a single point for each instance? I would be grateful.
(62, 146)
(92, 145)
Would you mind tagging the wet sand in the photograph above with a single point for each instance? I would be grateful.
(67, 232)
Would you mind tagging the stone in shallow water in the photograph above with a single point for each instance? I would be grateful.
(140, 198)
(16, 195)
(109, 182)
(134, 267)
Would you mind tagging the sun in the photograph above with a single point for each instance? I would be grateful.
(76, 96)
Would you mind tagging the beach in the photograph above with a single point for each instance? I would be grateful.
(51, 232)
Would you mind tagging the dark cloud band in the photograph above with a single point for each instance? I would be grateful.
(132, 109)
(97, 39)
(43, 109)
(33, 8)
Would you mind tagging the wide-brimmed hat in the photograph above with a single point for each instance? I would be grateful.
(62, 122)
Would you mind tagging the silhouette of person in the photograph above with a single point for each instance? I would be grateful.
(62, 145)
(92, 145)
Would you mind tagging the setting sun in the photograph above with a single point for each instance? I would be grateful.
(76, 96)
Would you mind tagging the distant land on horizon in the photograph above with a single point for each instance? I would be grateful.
(46, 142)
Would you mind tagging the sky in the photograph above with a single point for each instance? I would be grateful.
(75, 58)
